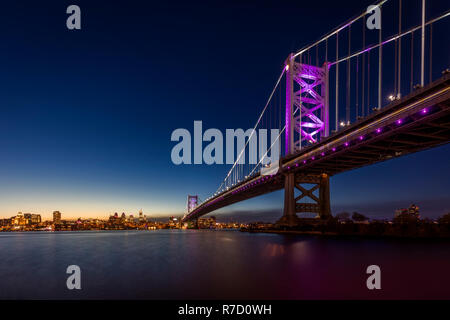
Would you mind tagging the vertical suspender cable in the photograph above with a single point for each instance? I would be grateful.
(396, 67)
(357, 87)
(411, 84)
(337, 82)
(368, 82)
(279, 116)
(347, 107)
(363, 71)
(317, 55)
(431, 53)
(399, 81)
(422, 59)
(380, 60)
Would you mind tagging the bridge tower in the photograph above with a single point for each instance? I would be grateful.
(192, 202)
(307, 121)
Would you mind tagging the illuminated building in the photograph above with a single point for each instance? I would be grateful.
(36, 219)
(5, 222)
(173, 222)
(114, 219)
(56, 217)
(413, 210)
(31, 219)
(207, 223)
(407, 215)
(19, 220)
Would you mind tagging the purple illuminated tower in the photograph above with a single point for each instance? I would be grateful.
(307, 116)
(192, 202)
(307, 121)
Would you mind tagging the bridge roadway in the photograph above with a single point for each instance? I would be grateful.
(418, 121)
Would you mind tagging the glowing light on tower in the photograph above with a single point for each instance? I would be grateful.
(192, 203)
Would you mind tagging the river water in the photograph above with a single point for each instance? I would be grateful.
(204, 264)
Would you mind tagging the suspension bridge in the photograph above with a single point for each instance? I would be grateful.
(355, 97)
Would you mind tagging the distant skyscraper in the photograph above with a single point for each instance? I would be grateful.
(56, 217)
(19, 220)
(35, 218)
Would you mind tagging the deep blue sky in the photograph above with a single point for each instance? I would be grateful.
(86, 116)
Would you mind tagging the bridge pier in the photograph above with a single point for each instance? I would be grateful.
(292, 204)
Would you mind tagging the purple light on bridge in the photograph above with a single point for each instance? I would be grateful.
(313, 158)
(361, 138)
(379, 130)
(323, 154)
(304, 161)
(399, 121)
(296, 164)
(334, 149)
(346, 144)
(424, 111)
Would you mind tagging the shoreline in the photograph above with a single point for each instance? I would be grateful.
(328, 234)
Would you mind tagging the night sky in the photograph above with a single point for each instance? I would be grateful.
(86, 116)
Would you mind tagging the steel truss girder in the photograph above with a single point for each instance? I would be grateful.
(310, 102)
(292, 206)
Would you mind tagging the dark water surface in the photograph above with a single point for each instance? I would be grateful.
(190, 264)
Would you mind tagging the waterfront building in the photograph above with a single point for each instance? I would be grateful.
(18, 220)
(413, 210)
(207, 223)
(5, 222)
(173, 222)
(56, 217)
(31, 219)
(36, 219)
(27, 217)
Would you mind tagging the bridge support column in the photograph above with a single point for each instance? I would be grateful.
(324, 198)
(289, 217)
(320, 203)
